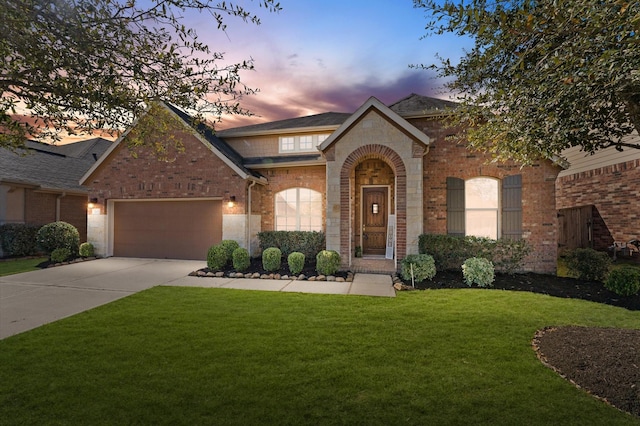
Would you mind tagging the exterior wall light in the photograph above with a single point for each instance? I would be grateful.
(92, 202)
(232, 201)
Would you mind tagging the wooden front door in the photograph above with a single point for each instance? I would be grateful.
(374, 220)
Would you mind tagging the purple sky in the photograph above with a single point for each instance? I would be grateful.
(330, 55)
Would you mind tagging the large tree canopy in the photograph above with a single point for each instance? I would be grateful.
(80, 65)
(543, 75)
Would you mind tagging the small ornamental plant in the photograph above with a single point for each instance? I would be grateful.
(60, 255)
(271, 259)
(328, 262)
(241, 259)
(477, 270)
(296, 262)
(86, 250)
(229, 246)
(58, 235)
(216, 257)
(418, 267)
(624, 281)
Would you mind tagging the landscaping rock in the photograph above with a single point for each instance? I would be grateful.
(331, 278)
(402, 287)
(255, 275)
(210, 274)
(219, 274)
(284, 277)
(302, 277)
(321, 278)
(311, 279)
(201, 273)
(340, 280)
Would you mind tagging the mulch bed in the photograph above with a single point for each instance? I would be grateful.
(605, 362)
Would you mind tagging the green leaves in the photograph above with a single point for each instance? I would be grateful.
(550, 77)
(93, 64)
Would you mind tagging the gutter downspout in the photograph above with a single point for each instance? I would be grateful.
(249, 210)
(58, 198)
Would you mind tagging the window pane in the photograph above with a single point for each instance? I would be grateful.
(298, 209)
(306, 142)
(481, 193)
(482, 223)
(287, 144)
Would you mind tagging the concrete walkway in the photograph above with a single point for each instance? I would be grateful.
(31, 299)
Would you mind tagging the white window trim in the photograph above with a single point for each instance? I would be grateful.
(298, 216)
(497, 209)
(316, 139)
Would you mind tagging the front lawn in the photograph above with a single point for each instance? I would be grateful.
(16, 266)
(215, 356)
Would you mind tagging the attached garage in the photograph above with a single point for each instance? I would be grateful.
(166, 229)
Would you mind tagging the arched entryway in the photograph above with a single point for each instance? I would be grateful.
(373, 174)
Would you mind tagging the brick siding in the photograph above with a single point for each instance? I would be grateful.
(40, 209)
(614, 191)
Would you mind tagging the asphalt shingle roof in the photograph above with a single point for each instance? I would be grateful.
(419, 105)
(317, 120)
(55, 167)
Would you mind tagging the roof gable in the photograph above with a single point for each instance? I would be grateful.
(418, 106)
(393, 117)
(203, 133)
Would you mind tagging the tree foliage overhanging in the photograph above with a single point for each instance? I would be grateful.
(543, 75)
(81, 65)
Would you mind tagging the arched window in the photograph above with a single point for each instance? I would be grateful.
(481, 201)
(485, 207)
(298, 209)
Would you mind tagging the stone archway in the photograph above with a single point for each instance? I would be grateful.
(347, 186)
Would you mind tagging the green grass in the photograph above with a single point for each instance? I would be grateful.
(8, 267)
(216, 356)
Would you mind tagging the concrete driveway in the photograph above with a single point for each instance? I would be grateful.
(35, 298)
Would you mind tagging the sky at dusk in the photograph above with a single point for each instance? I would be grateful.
(330, 55)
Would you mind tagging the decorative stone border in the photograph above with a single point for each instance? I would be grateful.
(257, 276)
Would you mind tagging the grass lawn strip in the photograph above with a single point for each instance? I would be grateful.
(197, 356)
(9, 267)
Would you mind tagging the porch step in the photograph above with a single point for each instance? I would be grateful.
(373, 265)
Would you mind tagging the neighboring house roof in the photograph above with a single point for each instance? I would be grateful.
(51, 167)
(373, 103)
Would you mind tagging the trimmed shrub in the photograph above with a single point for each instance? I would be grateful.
(86, 250)
(327, 262)
(588, 264)
(271, 259)
(309, 243)
(19, 239)
(424, 267)
(449, 252)
(478, 270)
(296, 262)
(216, 257)
(241, 259)
(58, 235)
(624, 281)
(59, 255)
(229, 246)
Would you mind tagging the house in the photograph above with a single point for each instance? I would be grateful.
(374, 179)
(39, 184)
(597, 197)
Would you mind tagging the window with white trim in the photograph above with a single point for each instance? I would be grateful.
(481, 207)
(298, 209)
(302, 143)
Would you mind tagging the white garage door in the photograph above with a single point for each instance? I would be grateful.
(166, 229)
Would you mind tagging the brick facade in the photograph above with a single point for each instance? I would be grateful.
(41, 208)
(311, 177)
(614, 191)
(448, 158)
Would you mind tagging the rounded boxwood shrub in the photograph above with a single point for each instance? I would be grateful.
(216, 257)
(61, 254)
(241, 259)
(624, 281)
(58, 235)
(229, 246)
(477, 270)
(588, 264)
(296, 262)
(86, 250)
(327, 262)
(271, 259)
(424, 267)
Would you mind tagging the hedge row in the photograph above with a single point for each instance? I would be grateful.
(309, 243)
(18, 239)
(450, 252)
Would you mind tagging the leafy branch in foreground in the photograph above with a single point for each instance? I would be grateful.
(543, 77)
(82, 65)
